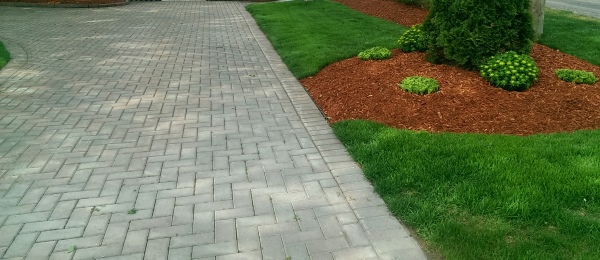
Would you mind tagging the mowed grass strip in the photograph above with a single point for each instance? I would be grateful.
(573, 34)
(4, 55)
(475, 196)
(309, 35)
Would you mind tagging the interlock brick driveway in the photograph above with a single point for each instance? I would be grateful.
(184, 112)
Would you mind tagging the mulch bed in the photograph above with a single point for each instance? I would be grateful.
(407, 15)
(355, 89)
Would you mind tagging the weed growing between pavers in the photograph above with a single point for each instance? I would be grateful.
(71, 249)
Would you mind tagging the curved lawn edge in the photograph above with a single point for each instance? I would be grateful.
(4, 55)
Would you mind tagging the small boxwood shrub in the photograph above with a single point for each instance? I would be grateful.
(576, 76)
(413, 39)
(419, 85)
(375, 53)
(467, 32)
(510, 71)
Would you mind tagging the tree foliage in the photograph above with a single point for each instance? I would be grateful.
(467, 32)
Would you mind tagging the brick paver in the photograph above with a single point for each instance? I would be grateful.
(183, 111)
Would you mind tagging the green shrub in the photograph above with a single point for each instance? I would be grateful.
(413, 39)
(510, 71)
(419, 85)
(421, 3)
(576, 76)
(375, 53)
(467, 32)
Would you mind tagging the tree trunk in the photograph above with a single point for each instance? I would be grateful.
(537, 13)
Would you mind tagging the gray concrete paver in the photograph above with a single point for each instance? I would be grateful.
(183, 111)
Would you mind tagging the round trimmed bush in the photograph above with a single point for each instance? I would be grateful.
(419, 85)
(413, 39)
(576, 76)
(375, 53)
(510, 71)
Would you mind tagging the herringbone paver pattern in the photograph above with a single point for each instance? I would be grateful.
(183, 112)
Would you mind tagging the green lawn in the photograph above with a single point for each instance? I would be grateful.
(309, 35)
(4, 55)
(469, 196)
(573, 34)
(476, 196)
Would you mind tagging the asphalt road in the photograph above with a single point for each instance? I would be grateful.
(584, 7)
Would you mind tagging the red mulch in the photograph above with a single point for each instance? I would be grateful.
(355, 89)
(407, 15)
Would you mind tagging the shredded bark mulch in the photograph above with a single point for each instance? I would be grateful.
(407, 15)
(466, 102)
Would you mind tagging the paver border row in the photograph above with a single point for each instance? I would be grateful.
(306, 110)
